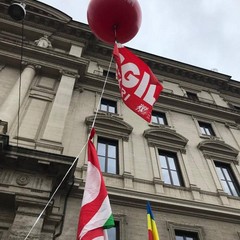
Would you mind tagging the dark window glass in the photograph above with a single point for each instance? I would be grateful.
(206, 129)
(192, 96)
(108, 106)
(185, 235)
(110, 74)
(159, 118)
(170, 168)
(113, 233)
(107, 150)
(227, 179)
(237, 108)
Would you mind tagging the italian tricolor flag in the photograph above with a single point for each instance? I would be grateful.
(95, 214)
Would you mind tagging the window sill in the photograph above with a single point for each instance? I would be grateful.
(174, 186)
(109, 114)
(156, 125)
(209, 137)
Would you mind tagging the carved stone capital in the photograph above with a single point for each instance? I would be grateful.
(69, 73)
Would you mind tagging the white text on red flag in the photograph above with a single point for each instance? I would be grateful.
(138, 85)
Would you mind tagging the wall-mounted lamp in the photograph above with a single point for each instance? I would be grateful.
(17, 11)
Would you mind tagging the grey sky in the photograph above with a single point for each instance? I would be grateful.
(204, 33)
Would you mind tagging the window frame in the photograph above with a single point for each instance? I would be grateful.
(186, 234)
(232, 177)
(107, 142)
(117, 223)
(172, 227)
(216, 150)
(206, 125)
(192, 95)
(173, 155)
(159, 115)
(212, 123)
(114, 128)
(166, 139)
(108, 103)
(111, 74)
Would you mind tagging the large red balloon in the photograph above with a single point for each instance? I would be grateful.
(107, 17)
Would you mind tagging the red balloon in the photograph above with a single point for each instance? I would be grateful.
(112, 20)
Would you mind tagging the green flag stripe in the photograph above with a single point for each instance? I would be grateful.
(109, 223)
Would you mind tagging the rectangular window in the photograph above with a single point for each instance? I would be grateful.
(185, 235)
(107, 150)
(228, 181)
(114, 233)
(108, 106)
(159, 118)
(170, 168)
(192, 96)
(110, 74)
(206, 129)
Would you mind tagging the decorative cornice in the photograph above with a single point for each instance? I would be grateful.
(110, 125)
(165, 137)
(218, 149)
(62, 25)
(185, 104)
(69, 73)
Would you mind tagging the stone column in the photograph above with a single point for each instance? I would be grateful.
(56, 122)
(9, 109)
(23, 222)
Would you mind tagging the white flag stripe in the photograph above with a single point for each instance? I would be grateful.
(99, 219)
(99, 238)
(91, 190)
(105, 234)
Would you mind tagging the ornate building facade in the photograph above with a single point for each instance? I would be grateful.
(186, 162)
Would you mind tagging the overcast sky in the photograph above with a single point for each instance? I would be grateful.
(204, 33)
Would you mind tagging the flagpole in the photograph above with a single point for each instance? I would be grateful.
(75, 160)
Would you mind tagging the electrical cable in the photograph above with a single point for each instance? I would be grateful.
(20, 83)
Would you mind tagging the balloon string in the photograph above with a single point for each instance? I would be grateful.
(75, 160)
(115, 32)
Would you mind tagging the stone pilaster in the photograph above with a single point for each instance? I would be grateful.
(9, 109)
(23, 222)
(57, 118)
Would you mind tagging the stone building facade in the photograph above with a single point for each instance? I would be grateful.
(186, 162)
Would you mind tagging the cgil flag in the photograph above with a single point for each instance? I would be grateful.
(95, 214)
(138, 85)
(152, 227)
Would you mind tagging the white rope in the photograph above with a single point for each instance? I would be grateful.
(75, 160)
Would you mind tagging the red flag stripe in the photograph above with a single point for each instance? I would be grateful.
(96, 211)
(94, 234)
(94, 206)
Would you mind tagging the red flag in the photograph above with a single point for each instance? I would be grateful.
(138, 85)
(96, 213)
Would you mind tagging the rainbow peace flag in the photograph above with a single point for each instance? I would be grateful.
(152, 227)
